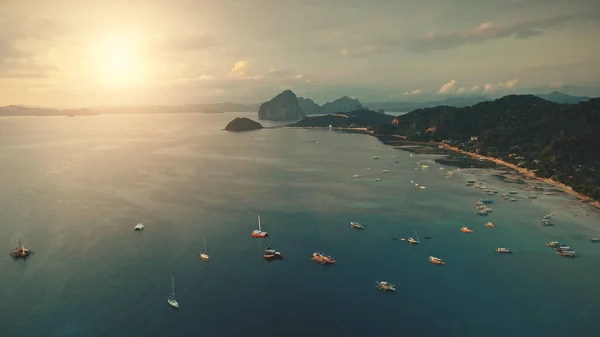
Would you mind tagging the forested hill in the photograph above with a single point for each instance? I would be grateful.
(556, 140)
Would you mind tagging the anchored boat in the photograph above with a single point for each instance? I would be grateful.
(356, 225)
(322, 258)
(138, 227)
(258, 233)
(171, 299)
(272, 254)
(503, 250)
(436, 260)
(466, 230)
(385, 286)
(204, 255)
(414, 240)
(21, 252)
(490, 225)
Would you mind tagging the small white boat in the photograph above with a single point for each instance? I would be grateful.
(368, 169)
(377, 179)
(204, 255)
(138, 227)
(375, 157)
(171, 299)
(422, 187)
(356, 225)
(503, 250)
(356, 176)
(414, 240)
(258, 233)
(385, 171)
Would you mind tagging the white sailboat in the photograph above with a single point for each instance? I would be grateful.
(171, 299)
(204, 255)
(258, 233)
(415, 240)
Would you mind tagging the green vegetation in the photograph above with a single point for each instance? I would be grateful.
(554, 140)
(557, 141)
(361, 118)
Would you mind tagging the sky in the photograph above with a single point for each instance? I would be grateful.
(85, 53)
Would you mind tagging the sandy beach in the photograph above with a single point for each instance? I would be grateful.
(529, 174)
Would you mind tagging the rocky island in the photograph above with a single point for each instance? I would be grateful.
(283, 107)
(241, 124)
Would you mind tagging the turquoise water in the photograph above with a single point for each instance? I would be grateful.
(73, 188)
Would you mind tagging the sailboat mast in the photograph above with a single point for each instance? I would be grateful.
(173, 286)
(205, 244)
(259, 229)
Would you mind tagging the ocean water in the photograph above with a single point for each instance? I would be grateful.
(73, 188)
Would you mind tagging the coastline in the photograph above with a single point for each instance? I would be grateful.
(445, 149)
(527, 173)
(520, 170)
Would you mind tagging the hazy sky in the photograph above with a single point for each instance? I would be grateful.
(84, 53)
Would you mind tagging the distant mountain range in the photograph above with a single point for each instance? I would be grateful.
(19, 110)
(459, 102)
(309, 107)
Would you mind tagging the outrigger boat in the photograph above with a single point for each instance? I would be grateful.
(356, 225)
(555, 244)
(415, 240)
(567, 253)
(272, 254)
(21, 252)
(466, 230)
(385, 286)
(436, 260)
(322, 258)
(258, 233)
(503, 250)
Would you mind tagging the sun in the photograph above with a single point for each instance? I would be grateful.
(120, 61)
(117, 62)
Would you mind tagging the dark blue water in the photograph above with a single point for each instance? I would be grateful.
(73, 188)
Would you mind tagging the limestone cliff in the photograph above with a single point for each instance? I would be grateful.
(283, 107)
(309, 106)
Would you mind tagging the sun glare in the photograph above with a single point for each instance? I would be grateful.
(116, 62)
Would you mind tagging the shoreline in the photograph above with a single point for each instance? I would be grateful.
(519, 170)
(442, 146)
(527, 173)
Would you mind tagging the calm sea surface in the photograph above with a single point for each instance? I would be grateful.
(73, 188)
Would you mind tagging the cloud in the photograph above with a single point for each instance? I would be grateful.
(299, 76)
(488, 87)
(240, 68)
(448, 87)
(464, 90)
(511, 83)
(8, 50)
(24, 69)
(557, 85)
(487, 31)
(206, 77)
(184, 43)
(14, 28)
